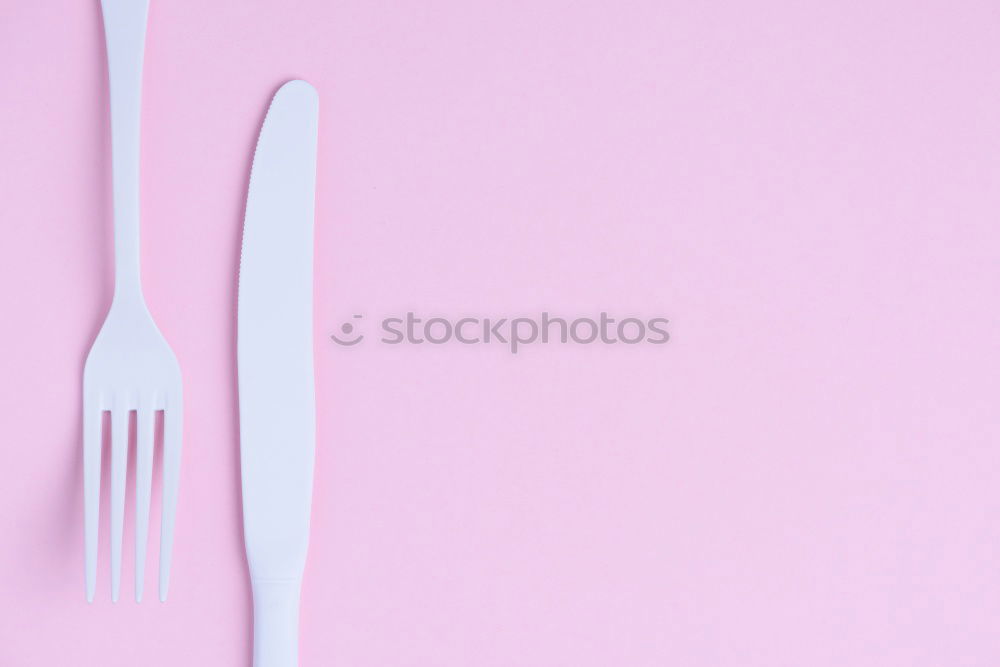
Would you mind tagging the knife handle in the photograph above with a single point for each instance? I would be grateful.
(276, 622)
(125, 36)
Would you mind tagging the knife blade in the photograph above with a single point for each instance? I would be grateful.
(275, 367)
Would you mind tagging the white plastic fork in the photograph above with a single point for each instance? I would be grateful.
(130, 366)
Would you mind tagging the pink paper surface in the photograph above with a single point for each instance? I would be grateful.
(807, 474)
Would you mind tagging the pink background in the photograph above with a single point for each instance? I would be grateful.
(806, 475)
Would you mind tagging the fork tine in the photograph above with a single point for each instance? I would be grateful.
(172, 424)
(91, 488)
(119, 463)
(145, 422)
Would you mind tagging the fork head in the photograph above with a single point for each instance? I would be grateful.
(130, 368)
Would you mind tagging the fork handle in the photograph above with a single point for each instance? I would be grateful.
(125, 36)
(276, 622)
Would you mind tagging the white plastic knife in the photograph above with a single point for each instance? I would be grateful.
(275, 358)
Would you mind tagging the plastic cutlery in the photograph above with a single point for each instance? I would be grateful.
(130, 367)
(275, 358)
